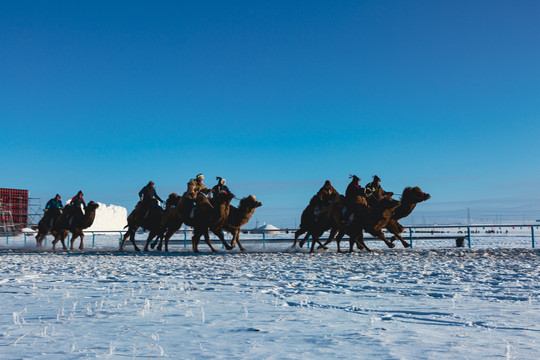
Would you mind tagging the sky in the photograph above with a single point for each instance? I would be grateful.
(276, 97)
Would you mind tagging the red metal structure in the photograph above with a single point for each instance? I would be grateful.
(13, 208)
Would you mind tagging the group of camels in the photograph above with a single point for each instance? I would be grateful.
(352, 216)
(60, 223)
(216, 215)
(340, 215)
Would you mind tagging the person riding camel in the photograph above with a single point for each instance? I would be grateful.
(375, 186)
(53, 203)
(75, 207)
(354, 196)
(220, 187)
(195, 186)
(354, 189)
(325, 195)
(147, 195)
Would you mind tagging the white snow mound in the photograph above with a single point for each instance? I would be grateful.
(109, 217)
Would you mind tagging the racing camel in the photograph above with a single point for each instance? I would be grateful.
(410, 197)
(75, 225)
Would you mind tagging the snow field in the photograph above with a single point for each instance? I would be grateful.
(390, 304)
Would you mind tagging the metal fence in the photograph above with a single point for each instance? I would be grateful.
(413, 234)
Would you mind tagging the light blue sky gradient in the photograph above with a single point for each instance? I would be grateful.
(276, 97)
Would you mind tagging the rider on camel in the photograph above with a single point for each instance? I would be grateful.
(374, 186)
(325, 195)
(354, 189)
(147, 195)
(55, 202)
(75, 207)
(195, 186)
(220, 187)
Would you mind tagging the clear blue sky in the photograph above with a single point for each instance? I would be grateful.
(276, 97)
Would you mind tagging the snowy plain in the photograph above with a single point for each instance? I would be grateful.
(272, 303)
(435, 301)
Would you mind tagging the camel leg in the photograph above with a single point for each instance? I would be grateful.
(169, 234)
(221, 237)
(207, 239)
(60, 237)
(403, 241)
(333, 233)
(132, 238)
(304, 240)
(159, 238)
(314, 240)
(396, 229)
(379, 234)
(321, 246)
(151, 235)
(234, 238)
(81, 245)
(238, 241)
(361, 243)
(297, 235)
(39, 238)
(338, 240)
(56, 238)
(195, 240)
(75, 235)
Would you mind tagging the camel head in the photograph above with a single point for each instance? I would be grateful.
(250, 202)
(92, 206)
(414, 195)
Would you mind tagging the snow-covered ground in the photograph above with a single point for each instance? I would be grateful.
(271, 302)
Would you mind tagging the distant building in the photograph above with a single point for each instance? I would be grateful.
(268, 229)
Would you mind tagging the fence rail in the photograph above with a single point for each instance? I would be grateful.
(412, 233)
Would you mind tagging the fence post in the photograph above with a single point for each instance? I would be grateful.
(7, 237)
(410, 237)
(93, 239)
(532, 236)
(68, 240)
(469, 236)
(185, 239)
(264, 240)
(122, 238)
(24, 239)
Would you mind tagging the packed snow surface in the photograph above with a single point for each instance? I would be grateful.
(389, 304)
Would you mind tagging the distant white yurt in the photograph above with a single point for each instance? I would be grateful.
(268, 229)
